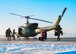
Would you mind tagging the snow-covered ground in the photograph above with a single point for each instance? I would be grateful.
(34, 46)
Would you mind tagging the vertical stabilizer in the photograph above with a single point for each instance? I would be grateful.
(59, 18)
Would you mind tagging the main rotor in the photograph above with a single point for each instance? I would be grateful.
(29, 17)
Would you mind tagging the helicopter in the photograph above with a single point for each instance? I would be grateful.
(32, 29)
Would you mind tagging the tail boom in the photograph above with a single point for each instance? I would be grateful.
(58, 21)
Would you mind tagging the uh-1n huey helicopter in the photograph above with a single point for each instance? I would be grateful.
(32, 29)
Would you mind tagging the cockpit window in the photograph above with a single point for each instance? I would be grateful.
(25, 31)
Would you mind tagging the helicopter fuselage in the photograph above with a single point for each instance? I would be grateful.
(28, 31)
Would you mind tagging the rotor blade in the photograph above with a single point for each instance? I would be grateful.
(31, 15)
(41, 20)
(30, 18)
(64, 11)
(17, 15)
(21, 15)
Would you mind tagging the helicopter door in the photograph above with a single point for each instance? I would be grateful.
(20, 31)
